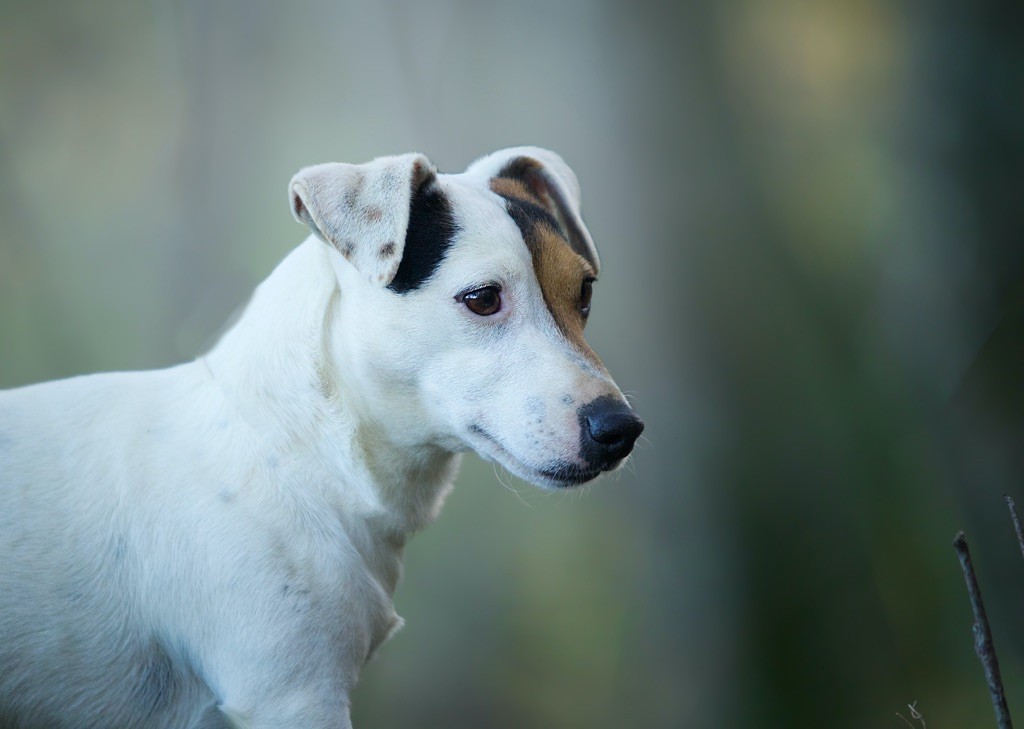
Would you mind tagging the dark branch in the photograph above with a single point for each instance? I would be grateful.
(983, 645)
(1016, 521)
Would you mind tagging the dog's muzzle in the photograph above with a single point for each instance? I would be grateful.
(608, 430)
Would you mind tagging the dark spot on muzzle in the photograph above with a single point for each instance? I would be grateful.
(608, 430)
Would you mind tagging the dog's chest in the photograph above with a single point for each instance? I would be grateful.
(339, 584)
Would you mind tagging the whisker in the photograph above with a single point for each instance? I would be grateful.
(519, 496)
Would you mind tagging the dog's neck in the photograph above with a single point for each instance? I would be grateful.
(275, 369)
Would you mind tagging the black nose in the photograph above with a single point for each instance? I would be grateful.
(610, 428)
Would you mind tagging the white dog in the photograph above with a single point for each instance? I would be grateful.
(218, 543)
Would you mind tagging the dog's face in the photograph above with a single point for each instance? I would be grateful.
(469, 295)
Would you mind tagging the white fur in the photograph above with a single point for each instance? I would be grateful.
(345, 206)
(228, 533)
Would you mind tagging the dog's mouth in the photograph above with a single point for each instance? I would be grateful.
(569, 474)
(559, 475)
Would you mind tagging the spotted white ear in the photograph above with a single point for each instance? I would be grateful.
(552, 181)
(362, 210)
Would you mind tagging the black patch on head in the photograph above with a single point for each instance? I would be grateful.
(519, 168)
(431, 231)
(527, 216)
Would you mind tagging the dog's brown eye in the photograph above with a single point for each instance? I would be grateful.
(483, 301)
(586, 294)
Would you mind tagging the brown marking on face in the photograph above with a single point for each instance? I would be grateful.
(539, 185)
(561, 273)
(559, 270)
(388, 250)
(373, 214)
(346, 250)
(509, 187)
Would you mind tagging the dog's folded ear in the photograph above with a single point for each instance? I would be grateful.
(551, 182)
(362, 210)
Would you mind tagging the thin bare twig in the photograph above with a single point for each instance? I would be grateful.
(983, 645)
(1016, 521)
(917, 714)
(905, 720)
(914, 713)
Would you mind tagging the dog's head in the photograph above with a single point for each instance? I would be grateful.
(464, 299)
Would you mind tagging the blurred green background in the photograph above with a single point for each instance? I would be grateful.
(810, 218)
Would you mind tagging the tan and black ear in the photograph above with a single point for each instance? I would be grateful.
(362, 210)
(550, 181)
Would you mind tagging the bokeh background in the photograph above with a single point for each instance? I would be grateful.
(810, 219)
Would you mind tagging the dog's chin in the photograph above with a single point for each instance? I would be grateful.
(567, 475)
(557, 474)
(560, 475)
